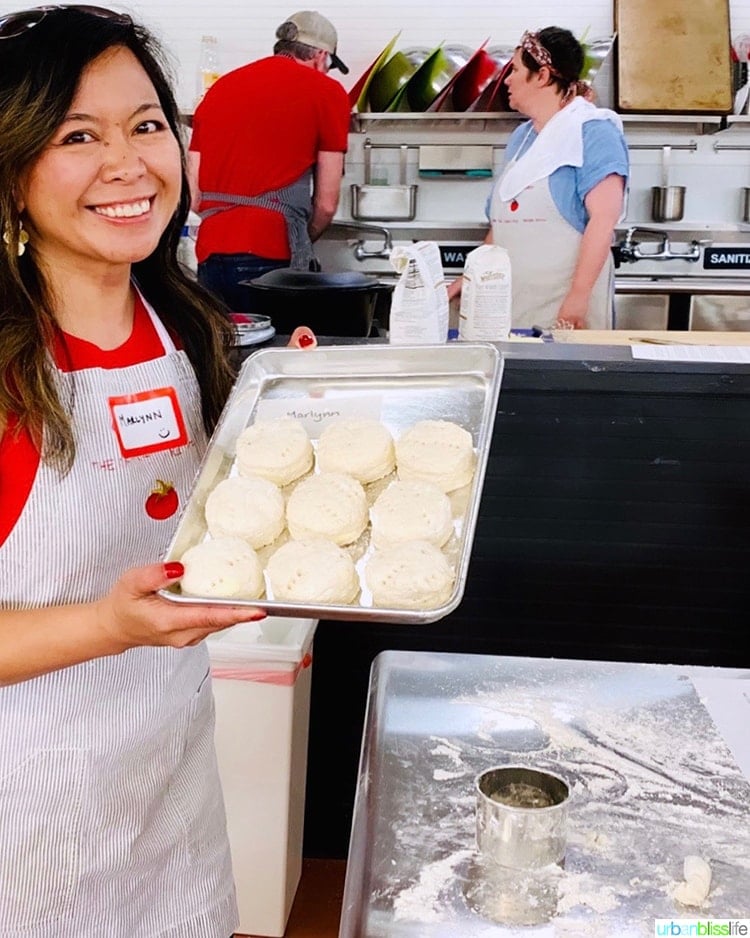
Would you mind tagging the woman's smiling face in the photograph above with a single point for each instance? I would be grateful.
(108, 183)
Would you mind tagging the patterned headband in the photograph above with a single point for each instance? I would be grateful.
(531, 44)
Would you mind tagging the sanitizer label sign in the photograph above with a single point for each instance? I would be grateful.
(727, 257)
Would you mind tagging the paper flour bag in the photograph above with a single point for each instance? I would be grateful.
(419, 303)
(485, 295)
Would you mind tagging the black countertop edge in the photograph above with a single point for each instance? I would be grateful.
(532, 354)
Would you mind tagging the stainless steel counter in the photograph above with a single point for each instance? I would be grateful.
(652, 780)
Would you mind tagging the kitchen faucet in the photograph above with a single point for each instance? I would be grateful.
(359, 248)
(629, 249)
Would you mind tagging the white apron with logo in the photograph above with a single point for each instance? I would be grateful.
(543, 249)
(111, 813)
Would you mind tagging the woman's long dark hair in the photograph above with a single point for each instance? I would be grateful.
(40, 71)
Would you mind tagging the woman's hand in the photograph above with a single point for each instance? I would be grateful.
(303, 338)
(573, 311)
(133, 614)
(454, 288)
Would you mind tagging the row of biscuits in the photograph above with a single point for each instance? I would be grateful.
(409, 521)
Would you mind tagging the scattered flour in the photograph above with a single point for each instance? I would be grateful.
(650, 783)
(441, 775)
(420, 902)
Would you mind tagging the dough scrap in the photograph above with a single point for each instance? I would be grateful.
(437, 451)
(329, 505)
(222, 568)
(697, 882)
(249, 507)
(362, 448)
(313, 571)
(412, 575)
(411, 511)
(278, 450)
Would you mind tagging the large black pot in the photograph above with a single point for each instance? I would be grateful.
(339, 304)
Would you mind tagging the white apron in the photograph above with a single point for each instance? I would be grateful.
(111, 813)
(543, 249)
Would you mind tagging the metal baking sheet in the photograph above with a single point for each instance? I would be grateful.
(398, 385)
(673, 56)
(651, 777)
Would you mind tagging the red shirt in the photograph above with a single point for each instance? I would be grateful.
(19, 457)
(259, 128)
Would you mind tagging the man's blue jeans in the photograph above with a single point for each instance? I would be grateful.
(223, 273)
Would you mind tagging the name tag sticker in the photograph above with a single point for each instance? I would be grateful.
(148, 422)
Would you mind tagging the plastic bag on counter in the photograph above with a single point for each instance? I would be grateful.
(419, 303)
(486, 295)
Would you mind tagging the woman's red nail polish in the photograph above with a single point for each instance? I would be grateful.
(258, 616)
(173, 570)
(305, 340)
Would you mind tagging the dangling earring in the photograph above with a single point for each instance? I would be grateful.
(23, 237)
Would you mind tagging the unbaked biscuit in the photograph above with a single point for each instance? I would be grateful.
(361, 448)
(249, 507)
(278, 450)
(314, 571)
(329, 505)
(437, 451)
(412, 575)
(222, 568)
(411, 511)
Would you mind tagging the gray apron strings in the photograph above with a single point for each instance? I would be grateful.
(292, 201)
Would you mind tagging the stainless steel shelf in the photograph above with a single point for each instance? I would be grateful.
(713, 119)
(362, 121)
(477, 120)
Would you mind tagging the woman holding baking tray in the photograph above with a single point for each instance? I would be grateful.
(111, 814)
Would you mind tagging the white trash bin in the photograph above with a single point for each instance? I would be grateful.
(261, 679)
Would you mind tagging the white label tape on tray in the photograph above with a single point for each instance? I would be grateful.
(316, 412)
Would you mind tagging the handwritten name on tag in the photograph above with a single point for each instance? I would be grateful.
(148, 422)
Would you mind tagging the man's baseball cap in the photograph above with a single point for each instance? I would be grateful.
(312, 29)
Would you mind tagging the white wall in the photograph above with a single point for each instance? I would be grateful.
(245, 30)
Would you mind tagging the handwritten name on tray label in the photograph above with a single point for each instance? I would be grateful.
(315, 413)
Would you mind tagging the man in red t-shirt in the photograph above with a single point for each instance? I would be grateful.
(266, 159)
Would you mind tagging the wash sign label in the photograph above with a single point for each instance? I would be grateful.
(727, 257)
(454, 255)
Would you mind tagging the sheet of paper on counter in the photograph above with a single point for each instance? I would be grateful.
(667, 352)
(728, 703)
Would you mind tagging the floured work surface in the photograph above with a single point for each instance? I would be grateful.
(398, 386)
(652, 782)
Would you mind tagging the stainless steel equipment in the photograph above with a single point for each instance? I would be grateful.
(630, 248)
(677, 260)
(680, 263)
(652, 781)
(384, 202)
(522, 816)
(673, 56)
(746, 204)
(402, 384)
(667, 203)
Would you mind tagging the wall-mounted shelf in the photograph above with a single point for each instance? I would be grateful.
(699, 123)
(479, 120)
(712, 119)
(471, 120)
